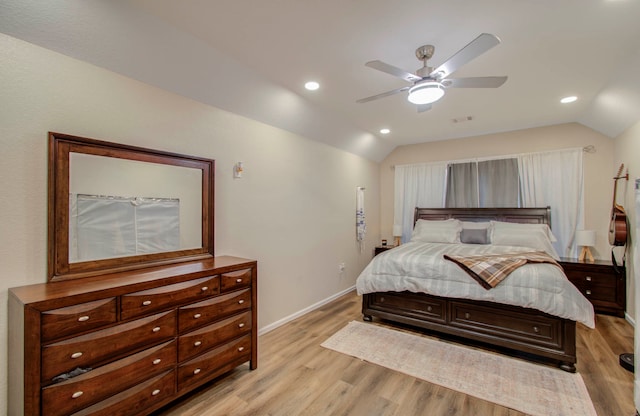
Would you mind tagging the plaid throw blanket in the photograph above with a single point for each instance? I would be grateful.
(490, 270)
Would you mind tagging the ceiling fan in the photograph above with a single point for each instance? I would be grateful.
(429, 84)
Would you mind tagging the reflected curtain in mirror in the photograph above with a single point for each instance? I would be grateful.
(102, 227)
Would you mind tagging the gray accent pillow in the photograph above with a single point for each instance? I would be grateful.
(470, 236)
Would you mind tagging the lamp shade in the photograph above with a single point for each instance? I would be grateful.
(425, 92)
(397, 230)
(586, 238)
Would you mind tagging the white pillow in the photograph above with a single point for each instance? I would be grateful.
(531, 238)
(524, 227)
(445, 231)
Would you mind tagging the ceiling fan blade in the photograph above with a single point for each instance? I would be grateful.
(384, 94)
(393, 70)
(475, 82)
(475, 48)
(423, 107)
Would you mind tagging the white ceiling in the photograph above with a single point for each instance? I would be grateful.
(254, 56)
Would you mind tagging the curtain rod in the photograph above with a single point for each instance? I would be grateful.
(586, 149)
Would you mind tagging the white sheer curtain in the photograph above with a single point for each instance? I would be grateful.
(555, 179)
(421, 185)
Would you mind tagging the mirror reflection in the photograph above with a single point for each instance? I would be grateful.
(120, 208)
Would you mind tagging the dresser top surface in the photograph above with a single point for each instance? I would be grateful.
(114, 284)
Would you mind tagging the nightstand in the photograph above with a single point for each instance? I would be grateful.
(599, 282)
(380, 249)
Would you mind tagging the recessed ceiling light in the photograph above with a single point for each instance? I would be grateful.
(312, 85)
(570, 99)
(385, 131)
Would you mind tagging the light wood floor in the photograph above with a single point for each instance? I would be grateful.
(296, 376)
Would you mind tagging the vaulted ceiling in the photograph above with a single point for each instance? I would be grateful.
(252, 57)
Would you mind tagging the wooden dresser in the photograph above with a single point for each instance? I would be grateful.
(128, 343)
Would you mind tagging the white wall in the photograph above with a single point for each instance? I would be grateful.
(627, 151)
(293, 211)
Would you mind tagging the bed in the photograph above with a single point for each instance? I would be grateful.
(515, 317)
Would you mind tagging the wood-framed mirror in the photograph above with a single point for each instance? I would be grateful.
(115, 207)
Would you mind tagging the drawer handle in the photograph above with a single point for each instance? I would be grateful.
(156, 361)
(196, 371)
(240, 349)
(155, 392)
(196, 316)
(587, 278)
(241, 325)
(77, 394)
(536, 329)
(467, 315)
(83, 318)
(204, 288)
(197, 343)
(146, 303)
(241, 301)
(76, 355)
(429, 308)
(382, 299)
(156, 329)
(239, 280)
(588, 292)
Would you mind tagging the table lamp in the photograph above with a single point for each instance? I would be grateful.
(397, 234)
(586, 239)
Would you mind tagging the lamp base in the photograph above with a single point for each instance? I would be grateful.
(586, 252)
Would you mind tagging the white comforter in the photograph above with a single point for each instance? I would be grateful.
(420, 267)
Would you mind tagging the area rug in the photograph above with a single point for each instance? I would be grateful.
(530, 388)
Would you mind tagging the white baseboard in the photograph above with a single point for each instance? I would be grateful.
(630, 319)
(304, 311)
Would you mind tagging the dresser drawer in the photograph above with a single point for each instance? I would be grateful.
(595, 292)
(90, 350)
(153, 300)
(591, 279)
(538, 330)
(420, 307)
(136, 400)
(58, 323)
(206, 365)
(84, 390)
(205, 312)
(235, 280)
(201, 340)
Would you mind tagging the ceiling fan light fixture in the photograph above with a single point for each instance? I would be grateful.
(425, 92)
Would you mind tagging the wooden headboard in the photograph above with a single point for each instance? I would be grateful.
(522, 215)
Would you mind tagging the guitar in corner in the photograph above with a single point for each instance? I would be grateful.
(618, 224)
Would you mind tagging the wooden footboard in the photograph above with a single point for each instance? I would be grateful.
(547, 338)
